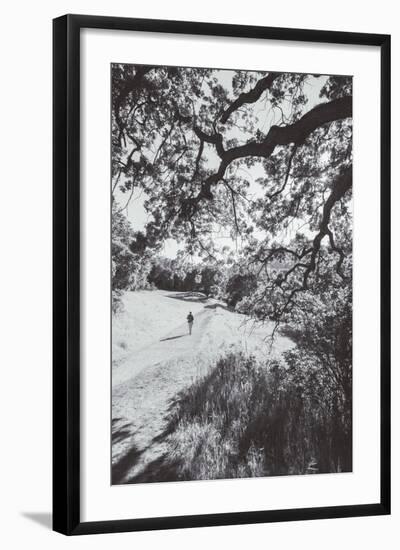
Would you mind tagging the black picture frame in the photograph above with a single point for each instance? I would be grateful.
(66, 272)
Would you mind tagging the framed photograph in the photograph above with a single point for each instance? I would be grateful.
(221, 274)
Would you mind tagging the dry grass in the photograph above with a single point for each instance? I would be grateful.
(245, 419)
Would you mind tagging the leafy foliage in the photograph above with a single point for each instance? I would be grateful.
(130, 257)
(193, 141)
(239, 286)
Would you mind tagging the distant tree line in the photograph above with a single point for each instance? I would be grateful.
(167, 274)
(137, 265)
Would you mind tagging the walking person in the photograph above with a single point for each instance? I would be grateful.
(190, 320)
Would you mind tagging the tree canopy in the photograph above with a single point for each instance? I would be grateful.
(265, 156)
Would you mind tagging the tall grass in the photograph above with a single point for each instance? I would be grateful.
(246, 419)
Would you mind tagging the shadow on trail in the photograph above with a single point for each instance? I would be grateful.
(188, 297)
(159, 470)
(120, 432)
(222, 306)
(121, 468)
(172, 337)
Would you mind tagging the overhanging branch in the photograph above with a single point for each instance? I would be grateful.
(295, 133)
(250, 97)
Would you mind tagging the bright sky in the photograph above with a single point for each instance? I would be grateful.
(136, 212)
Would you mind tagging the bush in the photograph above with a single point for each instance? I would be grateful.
(239, 286)
(131, 258)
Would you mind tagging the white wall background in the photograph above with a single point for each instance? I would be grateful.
(25, 302)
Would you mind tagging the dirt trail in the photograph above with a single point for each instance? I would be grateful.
(146, 383)
(172, 345)
(141, 403)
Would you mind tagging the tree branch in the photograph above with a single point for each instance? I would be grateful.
(232, 191)
(306, 259)
(293, 133)
(278, 135)
(272, 195)
(341, 185)
(249, 97)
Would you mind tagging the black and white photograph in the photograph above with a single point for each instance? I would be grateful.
(231, 273)
(200, 275)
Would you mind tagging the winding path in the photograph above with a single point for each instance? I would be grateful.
(141, 403)
(148, 380)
